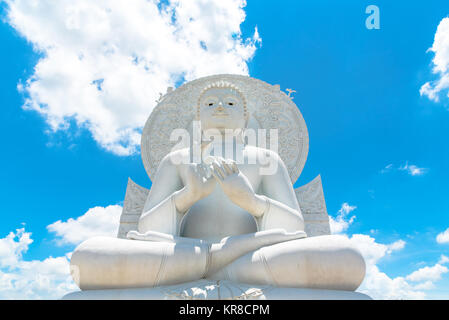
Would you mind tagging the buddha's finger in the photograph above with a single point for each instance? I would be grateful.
(209, 159)
(219, 168)
(234, 167)
(207, 172)
(204, 171)
(216, 175)
(217, 172)
(209, 168)
(221, 162)
(228, 168)
(226, 164)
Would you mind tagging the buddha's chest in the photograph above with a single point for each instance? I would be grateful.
(216, 217)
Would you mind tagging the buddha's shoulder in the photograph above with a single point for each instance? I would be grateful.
(176, 157)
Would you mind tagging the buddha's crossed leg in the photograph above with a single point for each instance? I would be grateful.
(111, 263)
(268, 257)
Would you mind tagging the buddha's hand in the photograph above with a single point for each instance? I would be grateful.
(237, 186)
(199, 182)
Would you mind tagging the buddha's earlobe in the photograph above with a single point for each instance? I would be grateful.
(197, 114)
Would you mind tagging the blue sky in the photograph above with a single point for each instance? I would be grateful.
(359, 93)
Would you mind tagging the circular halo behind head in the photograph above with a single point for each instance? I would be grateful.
(267, 107)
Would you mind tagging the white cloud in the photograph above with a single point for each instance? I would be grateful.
(443, 259)
(428, 273)
(378, 284)
(373, 251)
(440, 48)
(20, 279)
(105, 62)
(97, 221)
(413, 170)
(50, 278)
(340, 223)
(13, 246)
(397, 245)
(428, 285)
(410, 169)
(443, 237)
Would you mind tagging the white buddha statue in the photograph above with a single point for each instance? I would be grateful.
(223, 218)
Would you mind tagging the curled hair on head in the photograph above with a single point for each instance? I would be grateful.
(225, 85)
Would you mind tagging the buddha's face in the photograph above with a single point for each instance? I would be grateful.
(222, 108)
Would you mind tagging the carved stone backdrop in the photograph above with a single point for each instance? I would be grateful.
(269, 108)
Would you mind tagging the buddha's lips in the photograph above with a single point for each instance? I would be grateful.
(220, 114)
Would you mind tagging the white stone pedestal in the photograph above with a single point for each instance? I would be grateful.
(215, 290)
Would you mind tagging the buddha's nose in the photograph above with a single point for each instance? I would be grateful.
(220, 106)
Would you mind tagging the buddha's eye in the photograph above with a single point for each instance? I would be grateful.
(230, 103)
(210, 104)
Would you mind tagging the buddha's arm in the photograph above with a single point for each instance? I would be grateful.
(282, 209)
(160, 213)
(169, 199)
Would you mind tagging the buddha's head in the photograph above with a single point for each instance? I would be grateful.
(221, 105)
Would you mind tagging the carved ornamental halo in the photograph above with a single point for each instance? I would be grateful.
(268, 108)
